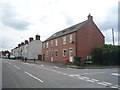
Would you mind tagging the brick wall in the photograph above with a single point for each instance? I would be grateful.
(59, 48)
(88, 37)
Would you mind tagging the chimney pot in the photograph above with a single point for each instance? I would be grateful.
(90, 18)
(37, 37)
(22, 43)
(19, 45)
(26, 41)
(30, 39)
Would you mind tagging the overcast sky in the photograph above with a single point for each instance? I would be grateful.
(21, 19)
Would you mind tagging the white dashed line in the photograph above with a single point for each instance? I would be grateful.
(64, 73)
(114, 87)
(117, 85)
(42, 65)
(71, 75)
(85, 77)
(90, 80)
(76, 75)
(81, 78)
(55, 67)
(34, 77)
(27, 63)
(58, 72)
(107, 83)
(102, 83)
(16, 66)
(95, 80)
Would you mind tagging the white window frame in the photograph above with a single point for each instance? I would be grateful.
(51, 43)
(56, 42)
(46, 54)
(64, 40)
(46, 44)
(70, 52)
(64, 55)
(71, 38)
(43, 45)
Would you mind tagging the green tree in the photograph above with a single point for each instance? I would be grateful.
(106, 55)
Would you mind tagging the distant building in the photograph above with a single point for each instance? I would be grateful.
(76, 41)
(4, 54)
(29, 50)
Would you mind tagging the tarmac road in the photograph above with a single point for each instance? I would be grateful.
(16, 74)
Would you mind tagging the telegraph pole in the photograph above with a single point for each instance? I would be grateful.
(113, 35)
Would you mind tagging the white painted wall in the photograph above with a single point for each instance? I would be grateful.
(34, 49)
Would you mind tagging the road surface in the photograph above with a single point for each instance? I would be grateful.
(16, 74)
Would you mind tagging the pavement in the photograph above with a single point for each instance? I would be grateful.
(17, 74)
(63, 65)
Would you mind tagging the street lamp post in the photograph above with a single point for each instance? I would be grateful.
(113, 35)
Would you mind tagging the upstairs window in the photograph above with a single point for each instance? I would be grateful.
(43, 45)
(64, 40)
(47, 45)
(71, 39)
(52, 43)
(46, 53)
(56, 42)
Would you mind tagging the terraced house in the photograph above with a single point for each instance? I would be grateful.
(76, 41)
(31, 49)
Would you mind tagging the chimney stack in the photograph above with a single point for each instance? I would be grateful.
(37, 37)
(19, 45)
(90, 18)
(26, 41)
(30, 39)
(22, 43)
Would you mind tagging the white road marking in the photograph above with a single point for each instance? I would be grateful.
(85, 77)
(107, 83)
(90, 80)
(116, 74)
(10, 63)
(114, 87)
(58, 72)
(91, 73)
(117, 85)
(76, 75)
(102, 83)
(34, 77)
(95, 80)
(81, 78)
(55, 67)
(64, 73)
(42, 65)
(16, 66)
(71, 75)
(27, 63)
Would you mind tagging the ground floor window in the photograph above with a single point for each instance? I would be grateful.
(56, 53)
(46, 53)
(64, 52)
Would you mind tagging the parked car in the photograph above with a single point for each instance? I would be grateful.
(12, 57)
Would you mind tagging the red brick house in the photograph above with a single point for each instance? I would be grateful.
(76, 41)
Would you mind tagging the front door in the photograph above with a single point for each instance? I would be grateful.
(51, 56)
(71, 55)
(43, 57)
(40, 57)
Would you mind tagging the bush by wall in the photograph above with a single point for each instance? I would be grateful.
(106, 55)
